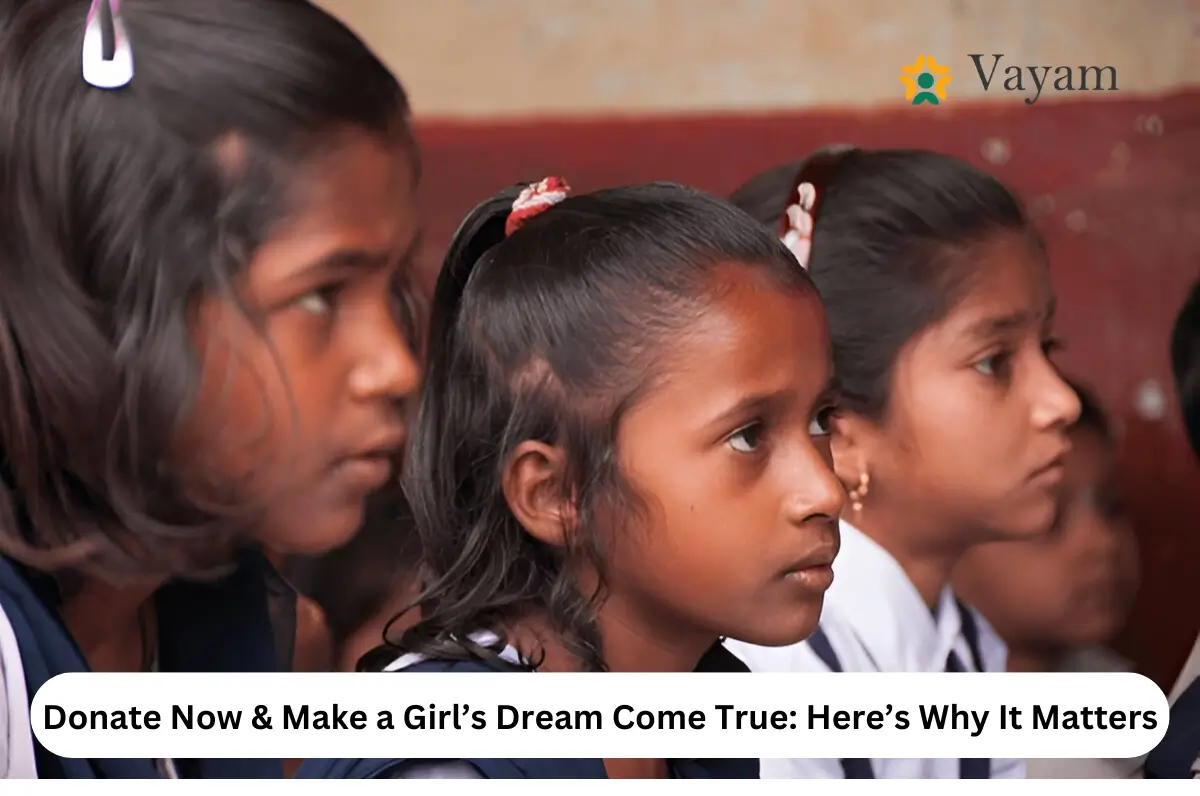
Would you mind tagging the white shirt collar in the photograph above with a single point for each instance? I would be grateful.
(483, 639)
(873, 595)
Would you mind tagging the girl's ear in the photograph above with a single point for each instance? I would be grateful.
(534, 478)
(849, 444)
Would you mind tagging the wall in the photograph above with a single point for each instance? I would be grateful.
(1114, 183)
(476, 58)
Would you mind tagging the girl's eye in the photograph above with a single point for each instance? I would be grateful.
(822, 424)
(993, 365)
(317, 302)
(1052, 346)
(745, 440)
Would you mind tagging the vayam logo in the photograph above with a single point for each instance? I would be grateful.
(1035, 79)
(925, 81)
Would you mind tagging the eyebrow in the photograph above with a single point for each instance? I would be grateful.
(747, 405)
(830, 393)
(997, 325)
(759, 403)
(361, 259)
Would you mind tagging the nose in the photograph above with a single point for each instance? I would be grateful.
(1055, 405)
(387, 367)
(814, 490)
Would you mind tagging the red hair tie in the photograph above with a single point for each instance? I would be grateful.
(534, 199)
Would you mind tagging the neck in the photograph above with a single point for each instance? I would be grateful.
(106, 623)
(634, 642)
(926, 560)
(629, 643)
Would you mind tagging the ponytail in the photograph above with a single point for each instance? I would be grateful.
(485, 227)
(766, 196)
(482, 229)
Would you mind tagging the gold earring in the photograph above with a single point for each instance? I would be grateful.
(859, 493)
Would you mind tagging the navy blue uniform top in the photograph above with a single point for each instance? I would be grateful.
(718, 659)
(1178, 754)
(244, 622)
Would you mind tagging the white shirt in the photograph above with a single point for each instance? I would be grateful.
(876, 621)
(1191, 671)
(17, 757)
(16, 733)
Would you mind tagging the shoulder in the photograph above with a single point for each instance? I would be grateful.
(435, 769)
(506, 656)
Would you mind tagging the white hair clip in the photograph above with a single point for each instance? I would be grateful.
(107, 57)
(798, 223)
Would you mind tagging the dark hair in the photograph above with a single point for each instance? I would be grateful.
(117, 210)
(551, 334)
(1185, 364)
(890, 249)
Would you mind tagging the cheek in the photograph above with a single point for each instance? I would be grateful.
(678, 540)
(244, 424)
(945, 417)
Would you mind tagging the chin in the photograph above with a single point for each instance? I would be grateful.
(786, 629)
(1034, 521)
(324, 532)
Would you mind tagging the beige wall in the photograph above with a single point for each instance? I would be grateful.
(487, 58)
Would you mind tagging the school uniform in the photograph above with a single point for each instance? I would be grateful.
(244, 622)
(718, 659)
(1177, 756)
(874, 620)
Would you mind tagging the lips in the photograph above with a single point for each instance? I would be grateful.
(366, 473)
(817, 558)
(1052, 471)
(822, 558)
(371, 465)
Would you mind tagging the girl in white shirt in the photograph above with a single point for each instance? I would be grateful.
(951, 430)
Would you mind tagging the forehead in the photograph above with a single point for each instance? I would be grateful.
(360, 182)
(357, 193)
(752, 336)
(1010, 285)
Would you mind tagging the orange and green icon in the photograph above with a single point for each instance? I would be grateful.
(925, 81)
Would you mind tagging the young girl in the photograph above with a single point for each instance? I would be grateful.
(206, 214)
(1059, 599)
(621, 453)
(952, 426)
